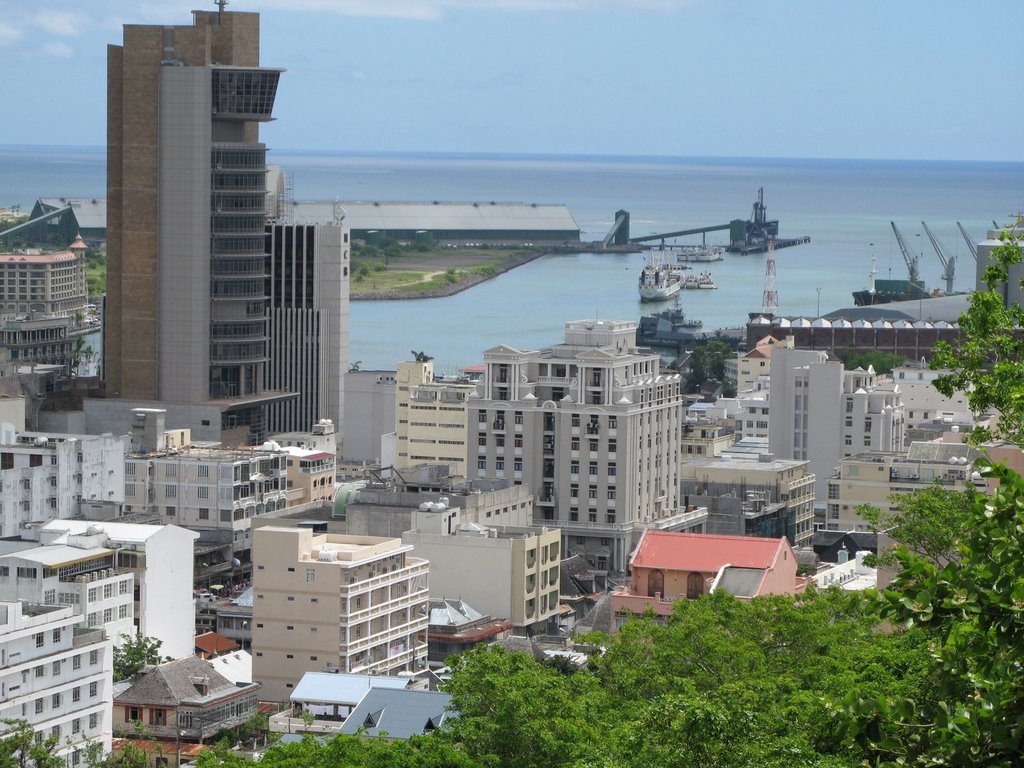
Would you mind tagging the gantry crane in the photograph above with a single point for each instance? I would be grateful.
(948, 260)
(908, 256)
(967, 239)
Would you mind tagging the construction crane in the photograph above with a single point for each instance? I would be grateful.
(908, 256)
(967, 239)
(948, 260)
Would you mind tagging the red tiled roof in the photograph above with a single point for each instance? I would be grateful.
(704, 552)
(38, 258)
(210, 643)
(320, 455)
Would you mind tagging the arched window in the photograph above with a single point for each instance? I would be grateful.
(655, 583)
(694, 586)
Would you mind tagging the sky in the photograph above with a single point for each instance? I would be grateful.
(913, 79)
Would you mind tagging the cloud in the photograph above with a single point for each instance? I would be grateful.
(9, 35)
(62, 23)
(58, 49)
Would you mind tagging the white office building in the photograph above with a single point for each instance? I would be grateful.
(159, 558)
(822, 413)
(56, 676)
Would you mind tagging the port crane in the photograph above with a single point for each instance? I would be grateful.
(967, 239)
(948, 260)
(909, 256)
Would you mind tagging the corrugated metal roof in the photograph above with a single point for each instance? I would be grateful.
(91, 213)
(436, 216)
(399, 714)
(341, 688)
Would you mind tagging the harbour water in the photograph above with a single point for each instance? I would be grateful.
(845, 206)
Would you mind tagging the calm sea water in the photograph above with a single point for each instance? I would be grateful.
(845, 206)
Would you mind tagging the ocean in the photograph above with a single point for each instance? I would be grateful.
(844, 206)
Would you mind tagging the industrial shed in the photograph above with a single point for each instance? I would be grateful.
(489, 222)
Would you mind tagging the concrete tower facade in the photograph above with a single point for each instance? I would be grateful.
(187, 317)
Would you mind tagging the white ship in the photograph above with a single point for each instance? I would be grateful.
(702, 281)
(658, 282)
(699, 253)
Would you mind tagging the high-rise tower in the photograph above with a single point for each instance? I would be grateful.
(186, 317)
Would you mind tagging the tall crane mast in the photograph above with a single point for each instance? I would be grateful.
(948, 260)
(908, 256)
(967, 239)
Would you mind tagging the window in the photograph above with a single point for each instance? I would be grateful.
(76, 694)
(94, 719)
(39, 706)
(310, 575)
(204, 513)
(593, 469)
(56, 667)
(575, 419)
(40, 638)
(611, 470)
(55, 700)
(574, 468)
(94, 690)
(612, 421)
(499, 464)
(517, 465)
(56, 636)
(39, 671)
(76, 662)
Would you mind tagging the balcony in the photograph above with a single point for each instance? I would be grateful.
(83, 637)
(498, 424)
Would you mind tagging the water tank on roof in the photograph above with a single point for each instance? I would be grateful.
(327, 556)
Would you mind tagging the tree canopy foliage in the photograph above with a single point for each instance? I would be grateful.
(133, 654)
(988, 361)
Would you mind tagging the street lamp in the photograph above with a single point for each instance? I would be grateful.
(177, 747)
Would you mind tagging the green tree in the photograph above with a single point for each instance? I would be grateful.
(515, 712)
(420, 357)
(707, 361)
(988, 361)
(881, 361)
(973, 608)
(929, 522)
(19, 748)
(135, 653)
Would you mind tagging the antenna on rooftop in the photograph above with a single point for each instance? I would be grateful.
(220, 5)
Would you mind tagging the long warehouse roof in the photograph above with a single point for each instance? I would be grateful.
(435, 216)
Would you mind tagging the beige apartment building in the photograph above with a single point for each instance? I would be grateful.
(872, 477)
(430, 418)
(330, 602)
(592, 426)
(507, 572)
(51, 284)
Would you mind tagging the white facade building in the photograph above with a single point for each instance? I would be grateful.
(821, 412)
(56, 677)
(592, 426)
(923, 403)
(160, 559)
(45, 476)
(430, 420)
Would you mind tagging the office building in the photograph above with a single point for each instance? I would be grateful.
(592, 426)
(186, 316)
(56, 676)
(430, 418)
(307, 289)
(820, 412)
(329, 602)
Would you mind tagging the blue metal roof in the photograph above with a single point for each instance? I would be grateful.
(399, 714)
(341, 688)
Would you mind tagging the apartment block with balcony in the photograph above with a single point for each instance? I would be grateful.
(506, 572)
(159, 560)
(330, 602)
(872, 477)
(592, 426)
(213, 491)
(87, 579)
(56, 676)
(430, 418)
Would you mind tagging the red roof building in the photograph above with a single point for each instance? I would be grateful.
(668, 566)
